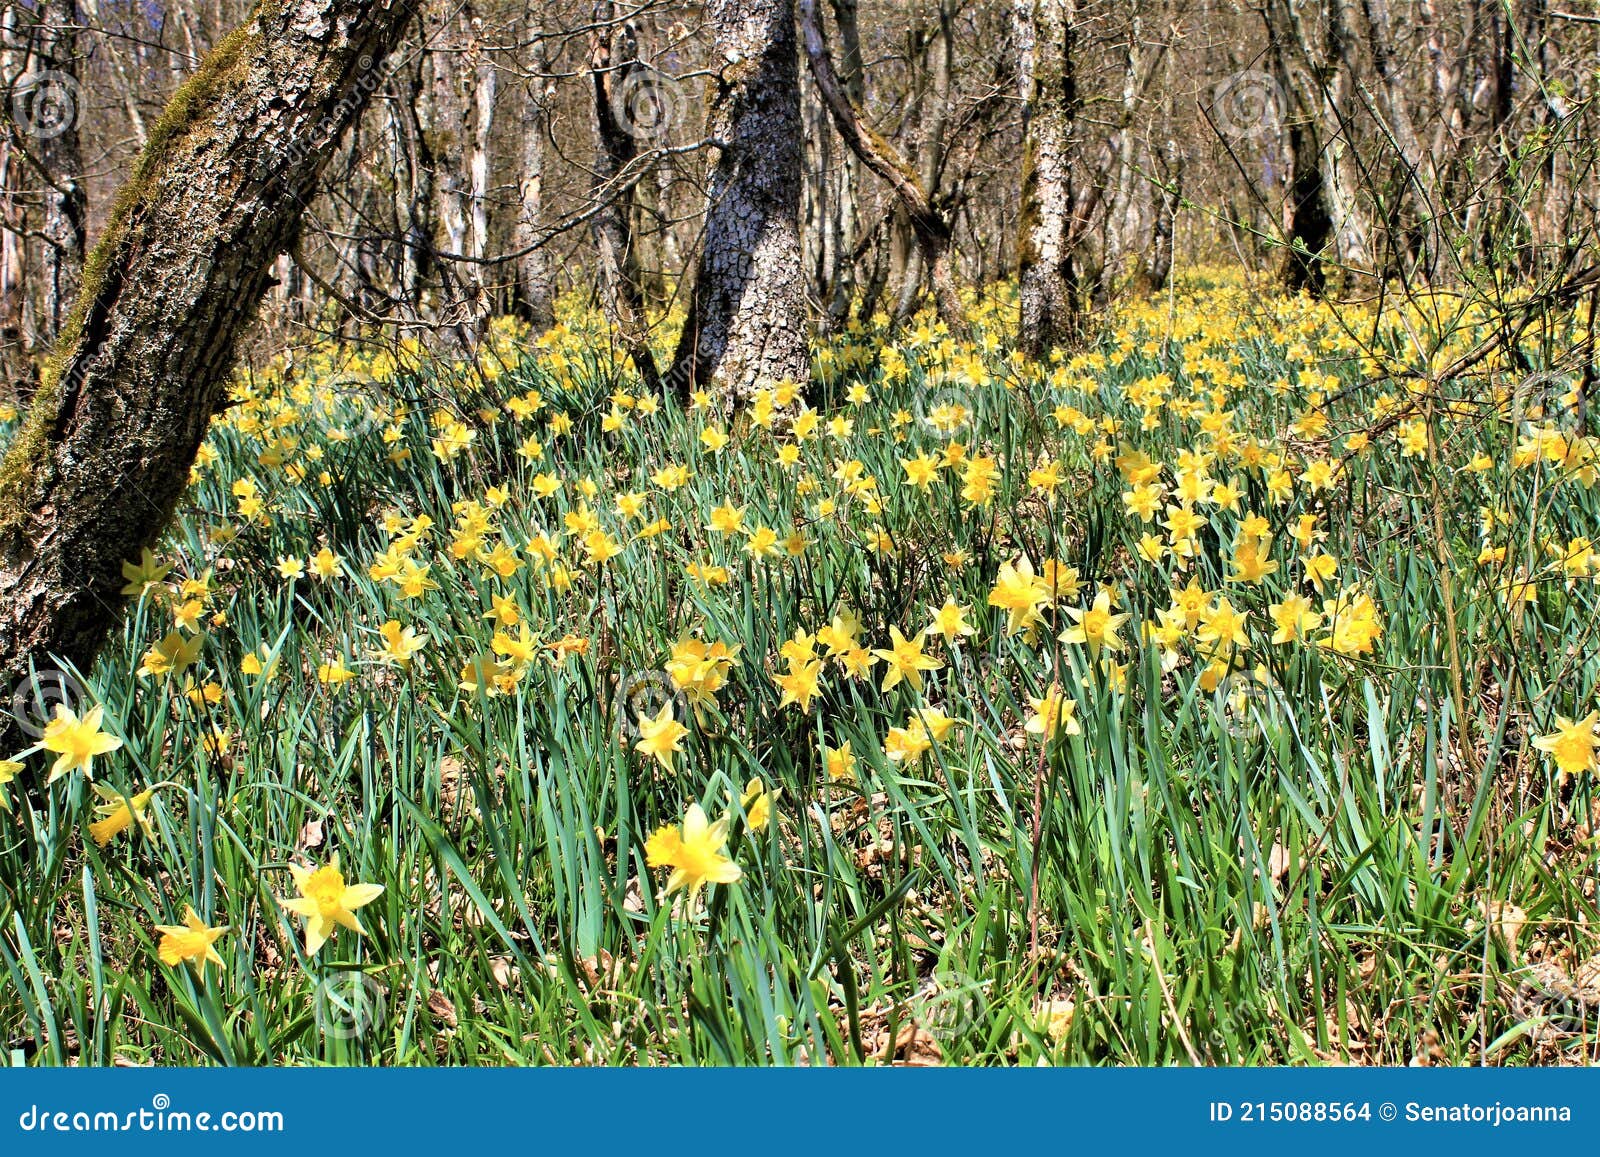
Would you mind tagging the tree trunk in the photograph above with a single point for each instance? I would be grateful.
(144, 359)
(1307, 224)
(484, 82)
(845, 179)
(1126, 223)
(53, 105)
(1048, 280)
(411, 121)
(624, 106)
(929, 225)
(455, 35)
(535, 295)
(1418, 229)
(746, 328)
(1323, 221)
(1156, 268)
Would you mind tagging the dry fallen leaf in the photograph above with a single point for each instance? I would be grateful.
(442, 1009)
(310, 836)
(1506, 921)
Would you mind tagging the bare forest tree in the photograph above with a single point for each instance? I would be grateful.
(1049, 283)
(746, 327)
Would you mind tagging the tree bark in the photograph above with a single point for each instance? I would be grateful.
(56, 110)
(1323, 222)
(1048, 278)
(847, 178)
(535, 294)
(144, 359)
(1421, 173)
(746, 328)
(452, 144)
(618, 78)
(410, 121)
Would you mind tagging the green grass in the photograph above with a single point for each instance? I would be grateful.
(1296, 876)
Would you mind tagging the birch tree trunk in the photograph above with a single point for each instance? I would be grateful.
(535, 295)
(1120, 230)
(452, 145)
(746, 328)
(1048, 280)
(484, 82)
(144, 359)
(15, 368)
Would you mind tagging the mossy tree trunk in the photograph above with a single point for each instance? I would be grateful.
(144, 359)
(746, 328)
(1048, 279)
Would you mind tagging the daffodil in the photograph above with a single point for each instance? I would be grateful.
(1572, 743)
(950, 621)
(1095, 625)
(192, 942)
(757, 802)
(695, 851)
(120, 812)
(76, 741)
(1052, 712)
(660, 737)
(905, 660)
(1020, 593)
(8, 772)
(327, 903)
(839, 763)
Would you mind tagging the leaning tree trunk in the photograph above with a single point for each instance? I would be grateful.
(144, 360)
(746, 328)
(1048, 281)
(930, 225)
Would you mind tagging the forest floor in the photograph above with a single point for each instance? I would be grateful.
(1175, 702)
